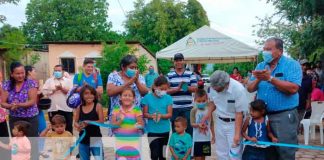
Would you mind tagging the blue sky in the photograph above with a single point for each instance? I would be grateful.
(231, 17)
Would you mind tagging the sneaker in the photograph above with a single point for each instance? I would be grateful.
(44, 155)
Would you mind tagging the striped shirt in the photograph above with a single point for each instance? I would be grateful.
(182, 99)
(128, 126)
(127, 142)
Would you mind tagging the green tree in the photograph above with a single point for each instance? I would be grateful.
(111, 57)
(3, 17)
(164, 65)
(243, 67)
(160, 23)
(196, 14)
(142, 63)
(9, 1)
(34, 58)
(299, 23)
(13, 40)
(61, 20)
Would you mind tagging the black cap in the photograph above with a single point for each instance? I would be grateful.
(178, 56)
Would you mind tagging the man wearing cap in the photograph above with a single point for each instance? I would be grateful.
(182, 84)
(305, 90)
(150, 77)
(277, 80)
(228, 98)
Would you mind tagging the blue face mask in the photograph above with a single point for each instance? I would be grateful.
(151, 71)
(201, 105)
(267, 56)
(130, 72)
(249, 74)
(57, 74)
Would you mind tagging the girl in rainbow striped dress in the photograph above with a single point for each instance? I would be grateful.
(129, 119)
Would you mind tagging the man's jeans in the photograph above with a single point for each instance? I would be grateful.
(284, 126)
(96, 149)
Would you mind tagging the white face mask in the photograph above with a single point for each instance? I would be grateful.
(160, 93)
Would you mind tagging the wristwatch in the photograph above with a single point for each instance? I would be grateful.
(269, 80)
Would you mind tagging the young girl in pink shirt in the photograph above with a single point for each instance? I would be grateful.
(19, 145)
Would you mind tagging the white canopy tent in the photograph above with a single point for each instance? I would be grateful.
(206, 45)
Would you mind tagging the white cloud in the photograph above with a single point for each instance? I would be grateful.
(15, 14)
(116, 15)
(236, 17)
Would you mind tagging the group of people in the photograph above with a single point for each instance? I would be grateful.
(311, 88)
(170, 109)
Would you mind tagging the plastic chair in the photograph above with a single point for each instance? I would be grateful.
(315, 120)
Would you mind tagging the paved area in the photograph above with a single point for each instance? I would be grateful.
(301, 154)
(304, 154)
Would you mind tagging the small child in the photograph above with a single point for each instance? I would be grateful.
(62, 139)
(201, 130)
(258, 130)
(180, 141)
(19, 145)
(157, 108)
(89, 110)
(130, 121)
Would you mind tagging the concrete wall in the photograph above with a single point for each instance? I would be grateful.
(139, 50)
(42, 67)
(76, 51)
(80, 51)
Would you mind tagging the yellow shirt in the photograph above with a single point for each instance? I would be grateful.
(54, 134)
(60, 143)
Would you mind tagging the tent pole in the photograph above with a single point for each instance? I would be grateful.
(157, 64)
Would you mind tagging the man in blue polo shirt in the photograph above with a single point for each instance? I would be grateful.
(182, 84)
(277, 80)
(89, 77)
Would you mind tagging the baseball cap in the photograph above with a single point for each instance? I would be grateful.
(303, 61)
(178, 56)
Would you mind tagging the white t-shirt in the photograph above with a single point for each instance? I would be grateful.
(229, 102)
(58, 97)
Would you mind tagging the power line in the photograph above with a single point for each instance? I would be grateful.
(121, 7)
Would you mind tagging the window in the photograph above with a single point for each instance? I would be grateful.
(68, 64)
